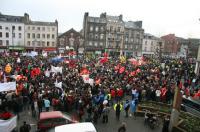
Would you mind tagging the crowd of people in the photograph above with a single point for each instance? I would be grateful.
(113, 78)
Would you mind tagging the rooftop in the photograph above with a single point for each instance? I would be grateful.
(10, 18)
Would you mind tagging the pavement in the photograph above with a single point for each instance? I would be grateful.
(133, 125)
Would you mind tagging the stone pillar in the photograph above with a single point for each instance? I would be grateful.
(176, 109)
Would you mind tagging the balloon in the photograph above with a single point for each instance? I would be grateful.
(8, 68)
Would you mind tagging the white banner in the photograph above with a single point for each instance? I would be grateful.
(56, 69)
(86, 79)
(7, 86)
(59, 85)
(8, 125)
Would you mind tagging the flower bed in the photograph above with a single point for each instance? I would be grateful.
(190, 123)
(187, 121)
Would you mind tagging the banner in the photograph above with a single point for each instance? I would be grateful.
(8, 125)
(58, 85)
(85, 78)
(7, 86)
(56, 69)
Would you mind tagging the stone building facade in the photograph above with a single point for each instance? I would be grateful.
(107, 34)
(21, 33)
(94, 33)
(11, 32)
(40, 35)
(152, 45)
(71, 40)
(133, 37)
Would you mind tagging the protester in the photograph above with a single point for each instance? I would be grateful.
(25, 127)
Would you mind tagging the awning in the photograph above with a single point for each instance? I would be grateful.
(49, 49)
(16, 48)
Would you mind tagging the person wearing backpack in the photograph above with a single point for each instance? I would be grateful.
(105, 114)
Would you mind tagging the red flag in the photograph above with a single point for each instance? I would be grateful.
(122, 69)
(105, 55)
(134, 61)
(104, 60)
(117, 67)
(72, 64)
(138, 70)
(84, 71)
(98, 81)
(133, 73)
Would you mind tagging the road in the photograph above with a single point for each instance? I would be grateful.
(133, 125)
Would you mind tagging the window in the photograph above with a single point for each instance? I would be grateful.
(7, 42)
(111, 28)
(53, 36)
(33, 43)
(101, 36)
(48, 28)
(7, 28)
(43, 28)
(126, 46)
(136, 47)
(0, 27)
(38, 44)
(29, 43)
(13, 35)
(7, 35)
(53, 44)
(1, 42)
(102, 29)
(20, 35)
(96, 44)
(33, 28)
(151, 43)
(29, 28)
(33, 35)
(96, 36)
(97, 29)
(90, 43)
(43, 35)
(91, 35)
(38, 28)
(13, 27)
(145, 42)
(48, 43)
(48, 36)
(145, 49)
(0, 34)
(53, 29)
(19, 28)
(91, 28)
(28, 35)
(43, 43)
(101, 44)
(118, 29)
(38, 35)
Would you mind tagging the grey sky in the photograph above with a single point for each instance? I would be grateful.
(159, 17)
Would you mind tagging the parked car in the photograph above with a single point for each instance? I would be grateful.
(52, 119)
(78, 127)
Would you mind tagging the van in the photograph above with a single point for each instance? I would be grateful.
(52, 119)
(77, 127)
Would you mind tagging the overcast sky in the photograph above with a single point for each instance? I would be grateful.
(160, 17)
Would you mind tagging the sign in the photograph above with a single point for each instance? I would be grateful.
(7, 86)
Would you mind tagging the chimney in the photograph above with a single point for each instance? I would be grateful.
(121, 17)
(26, 16)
